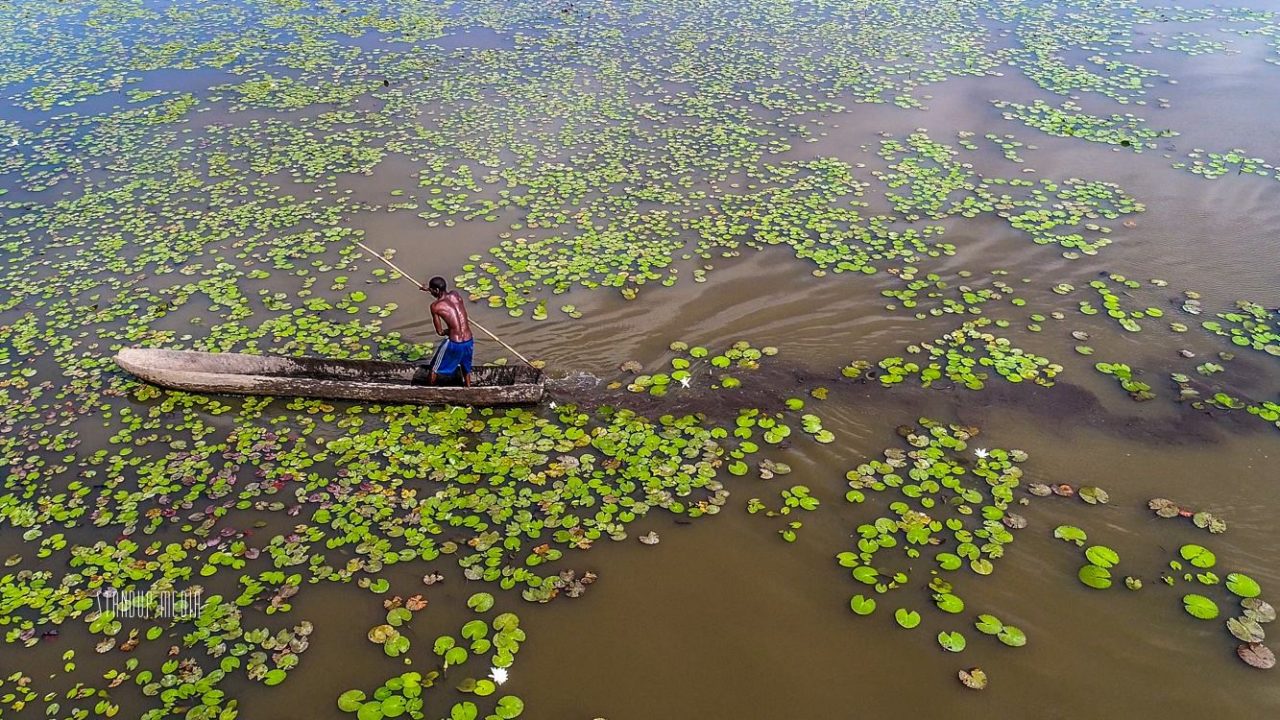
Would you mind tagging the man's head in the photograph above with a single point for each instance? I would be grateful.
(436, 286)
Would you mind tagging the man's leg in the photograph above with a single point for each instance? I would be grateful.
(465, 365)
(436, 359)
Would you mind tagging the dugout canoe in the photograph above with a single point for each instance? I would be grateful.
(328, 378)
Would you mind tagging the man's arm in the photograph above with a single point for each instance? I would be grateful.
(437, 318)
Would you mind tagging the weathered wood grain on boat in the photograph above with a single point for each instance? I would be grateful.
(313, 377)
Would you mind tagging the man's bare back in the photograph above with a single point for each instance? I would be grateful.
(450, 317)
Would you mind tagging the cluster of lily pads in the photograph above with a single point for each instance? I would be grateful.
(956, 356)
(402, 695)
(580, 482)
(1165, 508)
(967, 297)
(949, 500)
(1190, 43)
(811, 207)
(1127, 378)
(1247, 627)
(935, 480)
(1070, 120)
(927, 179)
(797, 497)
(187, 683)
(1099, 560)
(959, 356)
(692, 361)
(1250, 325)
(1127, 319)
(1237, 161)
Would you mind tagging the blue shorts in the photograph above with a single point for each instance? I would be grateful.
(451, 355)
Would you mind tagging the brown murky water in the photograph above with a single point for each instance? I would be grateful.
(723, 620)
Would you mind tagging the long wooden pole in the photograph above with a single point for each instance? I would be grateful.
(411, 279)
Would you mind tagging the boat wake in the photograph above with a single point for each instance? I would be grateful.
(578, 381)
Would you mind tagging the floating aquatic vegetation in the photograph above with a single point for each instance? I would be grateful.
(693, 362)
(1257, 655)
(1097, 573)
(1124, 375)
(1213, 165)
(937, 185)
(1166, 508)
(966, 298)
(933, 476)
(1093, 495)
(963, 360)
(797, 497)
(974, 678)
(1199, 606)
(952, 641)
(1268, 411)
(1070, 120)
(1190, 43)
(1240, 588)
(1251, 326)
(1007, 634)
(1008, 145)
(1070, 533)
(1127, 318)
(334, 509)
(404, 694)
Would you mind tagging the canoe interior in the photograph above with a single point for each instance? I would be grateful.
(314, 368)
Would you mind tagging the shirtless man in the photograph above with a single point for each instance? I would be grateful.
(449, 315)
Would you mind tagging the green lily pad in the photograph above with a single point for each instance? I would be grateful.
(1094, 576)
(862, 605)
(948, 603)
(1199, 606)
(351, 700)
(951, 641)
(907, 619)
(989, 625)
(1198, 556)
(1102, 556)
(1243, 585)
(480, 602)
(465, 710)
(509, 707)
(1070, 533)
(1012, 636)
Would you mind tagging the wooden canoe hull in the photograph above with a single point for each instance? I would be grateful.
(312, 377)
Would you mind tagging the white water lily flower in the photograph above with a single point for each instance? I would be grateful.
(498, 675)
(553, 404)
(684, 381)
(981, 452)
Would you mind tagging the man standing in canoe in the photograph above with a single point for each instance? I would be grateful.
(449, 314)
